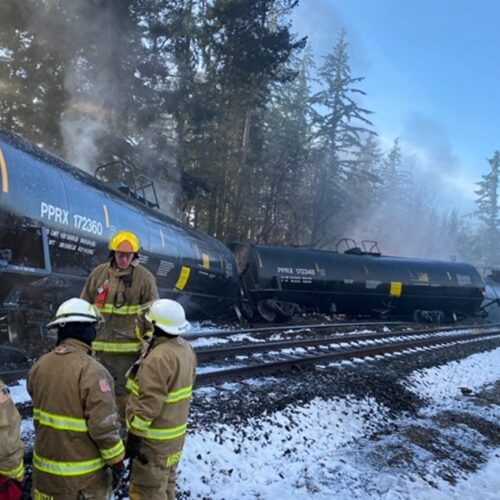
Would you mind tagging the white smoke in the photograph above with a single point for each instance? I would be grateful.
(80, 132)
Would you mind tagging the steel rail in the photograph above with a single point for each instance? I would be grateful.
(317, 326)
(287, 365)
(211, 353)
(264, 329)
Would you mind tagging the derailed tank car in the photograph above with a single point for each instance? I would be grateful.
(282, 281)
(55, 223)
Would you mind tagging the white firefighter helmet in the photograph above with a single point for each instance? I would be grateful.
(169, 316)
(75, 311)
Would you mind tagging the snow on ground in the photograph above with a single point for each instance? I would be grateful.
(276, 455)
(19, 392)
(446, 382)
(327, 449)
(323, 449)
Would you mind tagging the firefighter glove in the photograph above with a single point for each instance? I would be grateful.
(118, 471)
(133, 448)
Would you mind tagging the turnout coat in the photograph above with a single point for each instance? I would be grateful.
(160, 397)
(77, 433)
(11, 446)
(128, 293)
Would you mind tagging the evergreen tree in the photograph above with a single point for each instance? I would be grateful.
(283, 194)
(32, 79)
(364, 182)
(247, 46)
(488, 213)
(341, 124)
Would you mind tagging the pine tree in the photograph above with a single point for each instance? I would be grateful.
(488, 212)
(341, 124)
(364, 183)
(283, 198)
(247, 46)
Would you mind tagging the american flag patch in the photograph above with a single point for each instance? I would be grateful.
(4, 394)
(104, 385)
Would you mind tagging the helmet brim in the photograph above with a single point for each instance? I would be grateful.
(71, 319)
(172, 330)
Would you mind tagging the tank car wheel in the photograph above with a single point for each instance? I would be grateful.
(266, 312)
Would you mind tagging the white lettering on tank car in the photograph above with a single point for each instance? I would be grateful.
(53, 213)
(165, 267)
(86, 224)
(90, 243)
(56, 214)
(301, 271)
(305, 272)
(88, 251)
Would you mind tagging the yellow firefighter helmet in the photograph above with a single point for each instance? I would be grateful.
(125, 241)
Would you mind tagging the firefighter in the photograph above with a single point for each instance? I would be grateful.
(160, 384)
(121, 289)
(77, 430)
(11, 447)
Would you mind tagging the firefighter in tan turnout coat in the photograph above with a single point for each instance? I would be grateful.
(161, 384)
(121, 289)
(11, 447)
(77, 432)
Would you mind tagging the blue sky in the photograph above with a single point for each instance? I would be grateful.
(432, 78)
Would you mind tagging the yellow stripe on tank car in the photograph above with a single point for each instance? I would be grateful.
(206, 261)
(183, 278)
(106, 214)
(396, 289)
(5, 175)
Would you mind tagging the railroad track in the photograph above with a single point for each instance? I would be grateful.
(264, 330)
(15, 363)
(338, 348)
(341, 345)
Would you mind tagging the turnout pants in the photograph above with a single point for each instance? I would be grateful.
(152, 482)
(118, 365)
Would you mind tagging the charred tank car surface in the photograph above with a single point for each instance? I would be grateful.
(55, 224)
(281, 281)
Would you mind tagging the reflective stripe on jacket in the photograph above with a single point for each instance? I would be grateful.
(160, 396)
(129, 293)
(76, 422)
(11, 446)
(117, 347)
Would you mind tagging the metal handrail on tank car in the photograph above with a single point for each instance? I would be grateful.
(139, 181)
(367, 247)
